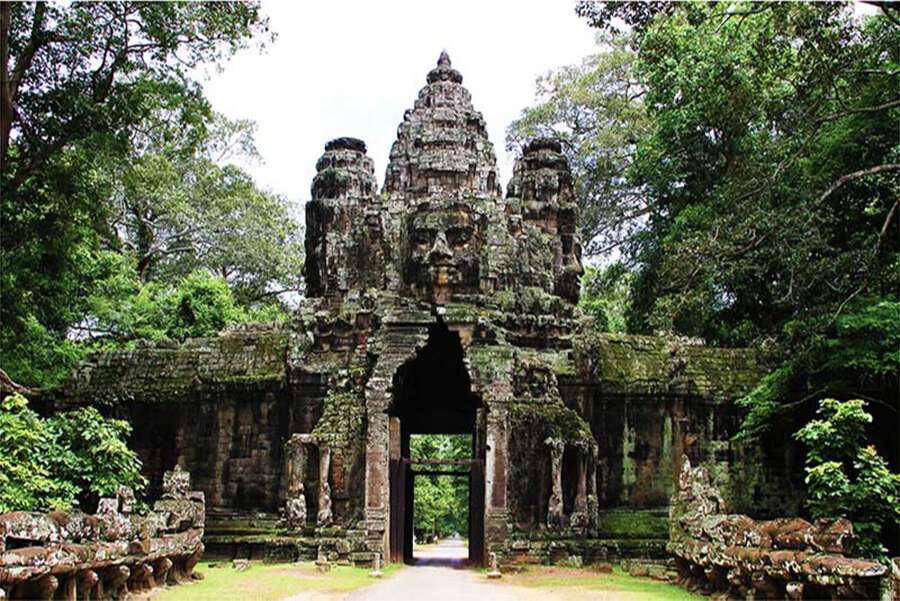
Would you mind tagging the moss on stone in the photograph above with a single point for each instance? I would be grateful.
(653, 364)
(342, 420)
(633, 524)
(544, 421)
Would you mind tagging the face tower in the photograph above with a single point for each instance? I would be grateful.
(441, 231)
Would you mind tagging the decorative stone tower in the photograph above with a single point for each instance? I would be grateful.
(341, 220)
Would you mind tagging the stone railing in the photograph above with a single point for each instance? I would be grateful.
(735, 556)
(73, 555)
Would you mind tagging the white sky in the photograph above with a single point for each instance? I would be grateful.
(350, 68)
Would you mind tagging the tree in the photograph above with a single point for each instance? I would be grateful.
(595, 109)
(441, 503)
(605, 295)
(181, 207)
(71, 72)
(770, 165)
(94, 97)
(769, 175)
(616, 16)
(844, 478)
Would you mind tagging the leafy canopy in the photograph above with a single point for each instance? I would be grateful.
(119, 184)
(740, 161)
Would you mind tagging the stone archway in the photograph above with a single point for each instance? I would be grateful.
(432, 394)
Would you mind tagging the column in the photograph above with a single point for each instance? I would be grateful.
(555, 517)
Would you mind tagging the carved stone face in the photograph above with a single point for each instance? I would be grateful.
(444, 242)
(568, 280)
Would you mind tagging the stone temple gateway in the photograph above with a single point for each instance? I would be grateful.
(439, 305)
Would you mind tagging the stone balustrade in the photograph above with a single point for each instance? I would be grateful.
(734, 556)
(72, 555)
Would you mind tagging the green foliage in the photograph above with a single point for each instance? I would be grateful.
(605, 296)
(92, 453)
(763, 403)
(440, 503)
(117, 184)
(857, 350)
(181, 209)
(57, 462)
(845, 478)
(755, 147)
(26, 481)
(36, 356)
(202, 306)
(595, 108)
(865, 339)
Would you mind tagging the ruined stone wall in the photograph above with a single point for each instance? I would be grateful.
(645, 401)
(651, 399)
(232, 443)
(225, 407)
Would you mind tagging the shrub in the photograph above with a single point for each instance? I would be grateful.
(845, 478)
(71, 458)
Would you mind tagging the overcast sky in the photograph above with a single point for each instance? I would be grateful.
(348, 68)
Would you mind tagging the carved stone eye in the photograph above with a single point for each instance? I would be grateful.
(458, 236)
(421, 238)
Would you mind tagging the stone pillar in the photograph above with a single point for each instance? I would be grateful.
(377, 480)
(295, 467)
(324, 516)
(579, 517)
(593, 504)
(555, 517)
(495, 478)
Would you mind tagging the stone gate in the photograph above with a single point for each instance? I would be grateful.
(438, 304)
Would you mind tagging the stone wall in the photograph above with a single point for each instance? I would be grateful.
(69, 554)
(617, 395)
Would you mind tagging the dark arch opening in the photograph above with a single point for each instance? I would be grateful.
(432, 394)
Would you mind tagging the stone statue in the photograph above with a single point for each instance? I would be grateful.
(444, 251)
(555, 516)
(295, 466)
(324, 517)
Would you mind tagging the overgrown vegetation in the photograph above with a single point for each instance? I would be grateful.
(440, 503)
(605, 296)
(846, 478)
(123, 213)
(72, 458)
(740, 161)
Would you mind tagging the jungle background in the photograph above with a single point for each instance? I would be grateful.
(737, 166)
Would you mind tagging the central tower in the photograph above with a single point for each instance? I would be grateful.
(441, 231)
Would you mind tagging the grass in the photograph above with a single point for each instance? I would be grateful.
(619, 584)
(269, 582)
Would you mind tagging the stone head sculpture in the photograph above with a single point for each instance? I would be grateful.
(444, 243)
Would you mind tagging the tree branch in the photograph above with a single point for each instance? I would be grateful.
(845, 179)
(856, 111)
(9, 86)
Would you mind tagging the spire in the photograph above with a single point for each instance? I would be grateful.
(442, 145)
(443, 71)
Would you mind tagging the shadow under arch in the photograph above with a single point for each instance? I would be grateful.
(432, 394)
